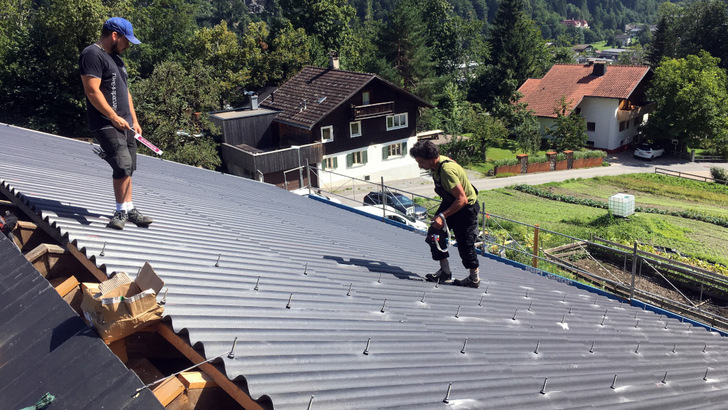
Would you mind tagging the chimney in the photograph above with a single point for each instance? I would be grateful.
(333, 60)
(254, 102)
(599, 69)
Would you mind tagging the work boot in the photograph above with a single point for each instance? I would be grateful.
(439, 276)
(140, 220)
(118, 221)
(467, 282)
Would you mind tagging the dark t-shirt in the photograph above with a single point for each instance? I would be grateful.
(95, 62)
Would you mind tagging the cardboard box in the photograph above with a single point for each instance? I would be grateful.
(119, 306)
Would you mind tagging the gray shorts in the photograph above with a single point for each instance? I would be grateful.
(120, 148)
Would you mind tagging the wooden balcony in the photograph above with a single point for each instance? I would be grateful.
(362, 112)
(255, 161)
(629, 112)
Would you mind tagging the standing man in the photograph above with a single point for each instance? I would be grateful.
(459, 208)
(111, 116)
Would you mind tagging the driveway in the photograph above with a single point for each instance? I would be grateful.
(621, 163)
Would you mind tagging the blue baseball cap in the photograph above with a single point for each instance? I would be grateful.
(123, 27)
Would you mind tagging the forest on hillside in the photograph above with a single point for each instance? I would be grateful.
(466, 57)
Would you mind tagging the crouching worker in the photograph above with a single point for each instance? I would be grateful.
(458, 210)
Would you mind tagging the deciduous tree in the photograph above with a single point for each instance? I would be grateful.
(569, 131)
(691, 102)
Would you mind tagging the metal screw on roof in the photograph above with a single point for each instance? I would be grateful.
(103, 248)
(605, 312)
(602, 323)
(164, 298)
(635, 315)
(706, 375)
(310, 402)
(527, 293)
(705, 347)
(231, 355)
(217, 264)
(564, 299)
(570, 307)
(481, 301)
(256, 284)
(486, 289)
(514, 314)
(690, 325)
(636, 325)
(595, 301)
(614, 382)
(380, 278)
(543, 388)
(457, 314)
(664, 379)
(674, 348)
(423, 297)
(538, 343)
(305, 269)
(349, 292)
(288, 306)
(437, 283)
(563, 318)
(464, 344)
(666, 324)
(383, 305)
(637, 350)
(530, 305)
(366, 349)
(446, 400)
(591, 349)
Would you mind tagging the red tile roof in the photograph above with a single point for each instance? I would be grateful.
(323, 90)
(576, 81)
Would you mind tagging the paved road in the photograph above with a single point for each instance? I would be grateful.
(622, 163)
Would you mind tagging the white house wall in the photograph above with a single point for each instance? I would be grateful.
(603, 113)
(392, 168)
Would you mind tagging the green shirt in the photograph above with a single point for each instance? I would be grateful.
(452, 175)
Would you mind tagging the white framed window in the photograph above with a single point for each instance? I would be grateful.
(329, 163)
(327, 133)
(396, 121)
(394, 150)
(356, 158)
(355, 129)
(365, 98)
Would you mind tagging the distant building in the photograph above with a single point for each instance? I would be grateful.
(353, 124)
(576, 23)
(623, 40)
(611, 99)
(583, 48)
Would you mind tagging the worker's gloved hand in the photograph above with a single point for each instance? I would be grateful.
(435, 237)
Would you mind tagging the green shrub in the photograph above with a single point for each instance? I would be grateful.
(589, 154)
(538, 160)
(506, 162)
(719, 174)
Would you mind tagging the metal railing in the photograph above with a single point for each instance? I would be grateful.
(685, 175)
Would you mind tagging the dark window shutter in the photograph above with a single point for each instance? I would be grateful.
(385, 152)
(404, 148)
(336, 163)
(364, 157)
(349, 160)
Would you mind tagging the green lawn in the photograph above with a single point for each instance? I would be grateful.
(698, 239)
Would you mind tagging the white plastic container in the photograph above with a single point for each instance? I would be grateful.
(621, 205)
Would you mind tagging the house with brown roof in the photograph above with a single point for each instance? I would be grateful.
(350, 123)
(611, 98)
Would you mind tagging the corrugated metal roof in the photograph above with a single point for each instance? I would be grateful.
(337, 269)
(45, 347)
